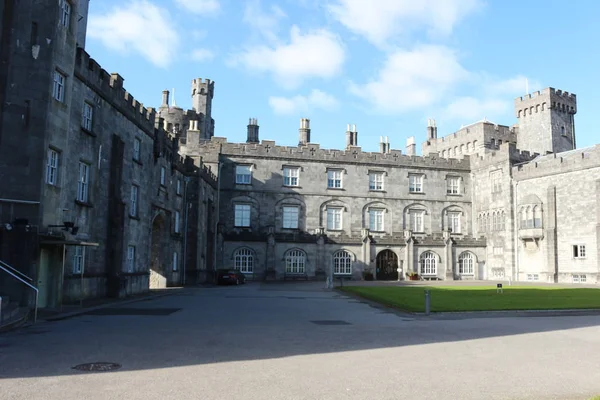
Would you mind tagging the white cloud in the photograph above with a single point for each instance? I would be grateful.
(412, 79)
(317, 99)
(470, 109)
(201, 55)
(266, 23)
(382, 20)
(139, 26)
(200, 7)
(317, 54)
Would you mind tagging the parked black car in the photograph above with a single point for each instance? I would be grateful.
(230, 277)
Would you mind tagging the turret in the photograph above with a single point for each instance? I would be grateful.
(202, 95)
(252, 131)
(351, 136)
(304, 132)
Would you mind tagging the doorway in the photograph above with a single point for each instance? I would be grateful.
(387, 266)
(158, 278)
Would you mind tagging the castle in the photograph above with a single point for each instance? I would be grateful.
(102, 196)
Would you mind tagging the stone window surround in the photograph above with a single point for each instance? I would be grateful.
(52, 168)
(579, 251)
(242, 208)
(342, 172)
(428, 263)
(420, 182)
(286, 170)
(373, 182)
(59, 83)
(283, 216)
(241, 178)
(244, 260)
(450, 186)
(130, 258)
(343, 261)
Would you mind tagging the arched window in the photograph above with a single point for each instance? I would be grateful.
(342, 263)
(462, 148)
(244, 260)
(428, 263)
(485, 223)
(468, 147)
(295, 261)
(466, 264)
(443, 153)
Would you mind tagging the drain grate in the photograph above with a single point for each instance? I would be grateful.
(97, 367)
(134, 311)
(331, 322)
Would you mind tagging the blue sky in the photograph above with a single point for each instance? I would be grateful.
(384, 65)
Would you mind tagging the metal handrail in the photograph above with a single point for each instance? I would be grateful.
(37, 291)
(16, 271)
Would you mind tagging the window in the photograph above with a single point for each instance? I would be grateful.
(137, 145)
(466, 263)
(163, 177)
(415, 183)
(87, 116)
(376, 219)
(242, 215)
(79, 259)
(178, 189)
(533, 277)
(83, 182)
(243, 260)
(177, 218)
(453, 185)
(290, 217)
(579, 251)
(334, 218)
(290, 176)
(334, 179)
(428, 263)
(454, 222)
(342, 263)
(375, 180)
(52, 167)
(416, 220)
(58, 89)
(294, 262)
(498, 273)
(65, 13)
(531, 217)
(175, 261)
(133, 205)
(243, 175)
(579, 278)
(496, 180)
(130, 258)
(498, 251)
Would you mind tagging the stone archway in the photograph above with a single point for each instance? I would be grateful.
(387, 266)
(158, 278)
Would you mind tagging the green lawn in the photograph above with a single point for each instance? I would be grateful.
(479, 298)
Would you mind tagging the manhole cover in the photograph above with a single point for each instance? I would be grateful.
(331, 322)
(97, 367)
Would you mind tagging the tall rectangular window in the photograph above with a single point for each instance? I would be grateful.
(243, 175)
(242, 215)
(453, 185)
(177, 218)
(52, 167)
(178, 190)
(137, 145)
(87, 116)
(376, 219)
(65, 13)
(175, 261)
(78, 259)
(58, 88)
(83, 182)
(496, 181)
(415, 183)
(454, 222)
(163, 176)
(334, 218)
(334, 179)
(375, 180)
(290, 217)
(579, 251)
(416, 221)
(130, 258)
(133, 204)
(291, 176)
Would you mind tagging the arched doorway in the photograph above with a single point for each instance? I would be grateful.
(387, 266)
(158, 278)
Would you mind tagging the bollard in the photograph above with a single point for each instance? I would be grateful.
(427, 303)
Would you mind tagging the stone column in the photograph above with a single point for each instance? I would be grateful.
(448, 256)
(366, 251)
(550, 233)
(409, 264)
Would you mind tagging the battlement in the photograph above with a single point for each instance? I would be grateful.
(554, 163)
(313, 152)
(549, 91)
(203, 86)
(546, 99)
(110, 88)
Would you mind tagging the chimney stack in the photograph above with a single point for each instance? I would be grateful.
(411, 147)
(351, 136)
(165, 99)
(384, 146)
(252, 131)
(431, 129)
(304, 132)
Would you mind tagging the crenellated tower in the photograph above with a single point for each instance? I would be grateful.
(202, 95)
(546, 121)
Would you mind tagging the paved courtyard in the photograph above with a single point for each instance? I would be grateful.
(297, 341)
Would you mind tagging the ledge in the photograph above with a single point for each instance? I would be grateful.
(135, 217)
(531, 234)
(137, 161)
(418, 193)
(88, 132)
(341, 189)
(84, 204)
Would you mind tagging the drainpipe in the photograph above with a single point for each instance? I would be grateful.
(185, 229)
(218, 212)
(516, 232)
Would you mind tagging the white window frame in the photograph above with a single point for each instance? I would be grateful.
(295, 262)
(342, 263)
(137, 146)
(177, 227)
(453, 185)
(83, 182)
(133, 201)
(533, 277)
(415, 183)
(291, 176)
(242, 214)
(579, 278)
(334, 218)
(579, 251)
(130, 258)
(334, 178)
(290, 217)
(428, 264)
(454, 221)
(243, 261)
(65, 13)
(52, 161)
(58, 86)
(87, 116)
(417, 220)
(163, 176)
(466, 264)
(78, 259)
(175, 261)
(376, 219)
(243, 174)
(376, 181)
